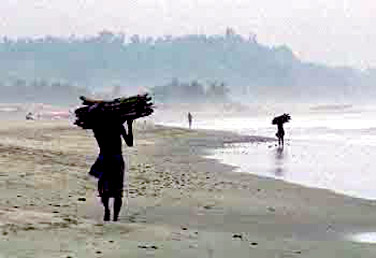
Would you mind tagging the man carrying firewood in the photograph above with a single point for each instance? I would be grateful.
(279, 121)
(106, 119)
(109, 166)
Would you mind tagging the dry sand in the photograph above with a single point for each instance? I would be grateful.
(180, 205)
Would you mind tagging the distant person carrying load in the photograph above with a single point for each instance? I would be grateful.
(279, 121)
(190, 120)
(29, 116)
(106, 119)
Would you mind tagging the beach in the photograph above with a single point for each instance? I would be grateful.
(181, 204)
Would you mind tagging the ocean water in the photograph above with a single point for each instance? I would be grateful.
(367, 237)
(330, 150)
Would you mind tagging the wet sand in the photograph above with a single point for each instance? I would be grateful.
(180, 205)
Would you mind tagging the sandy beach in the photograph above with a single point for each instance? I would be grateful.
(180, 204)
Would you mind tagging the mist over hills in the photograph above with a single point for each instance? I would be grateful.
(108, 59)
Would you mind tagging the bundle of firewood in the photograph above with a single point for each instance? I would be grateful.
(97, 112)
(281, 119)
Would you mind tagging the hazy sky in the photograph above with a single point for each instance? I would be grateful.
(337, 32)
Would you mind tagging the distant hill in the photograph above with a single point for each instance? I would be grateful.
(114, 59)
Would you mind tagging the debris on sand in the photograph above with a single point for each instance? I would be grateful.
(237, 236)
(145, 246)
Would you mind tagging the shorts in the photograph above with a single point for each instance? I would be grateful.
(109, 169)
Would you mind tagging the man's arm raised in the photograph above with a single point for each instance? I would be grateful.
(128, 137)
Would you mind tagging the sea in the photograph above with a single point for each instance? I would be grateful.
(330, 147)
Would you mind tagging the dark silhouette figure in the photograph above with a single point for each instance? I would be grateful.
(190, 120)
(280, 134)
(109, 166)
(29, 116)
(279, 121)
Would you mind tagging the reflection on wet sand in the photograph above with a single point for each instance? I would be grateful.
(279, 162)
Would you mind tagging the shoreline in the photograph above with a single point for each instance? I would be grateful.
(237, 138)
(226, 170)
(233, 138)
(181, 204)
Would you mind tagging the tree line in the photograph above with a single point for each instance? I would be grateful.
(191, 92)
(109, 59)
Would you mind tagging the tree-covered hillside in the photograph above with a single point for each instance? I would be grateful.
(111, 59)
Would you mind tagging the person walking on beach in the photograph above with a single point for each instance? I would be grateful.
(279, 121)
(190, 120)
(109, 166)
(280, 134)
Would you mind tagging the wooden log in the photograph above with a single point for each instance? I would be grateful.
(121, 109)
(89, 101)
(285, 118)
